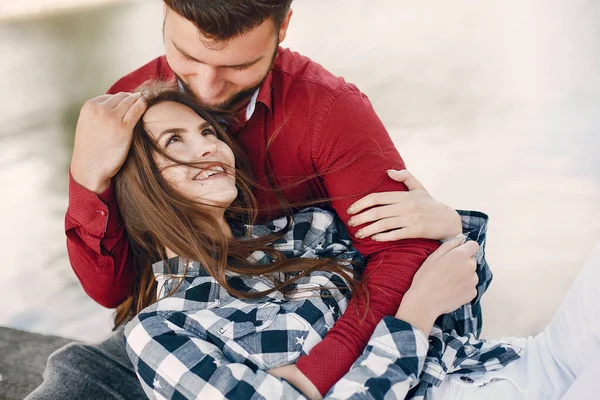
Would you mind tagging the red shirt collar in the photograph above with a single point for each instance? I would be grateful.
(265, 93)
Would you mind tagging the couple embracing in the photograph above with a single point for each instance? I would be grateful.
(248, 215)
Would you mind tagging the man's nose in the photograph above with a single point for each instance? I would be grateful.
(207, 82)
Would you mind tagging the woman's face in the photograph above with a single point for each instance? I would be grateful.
(187, 137)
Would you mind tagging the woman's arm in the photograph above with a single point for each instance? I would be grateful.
(173, 361)
(391, 363)
(445, 282)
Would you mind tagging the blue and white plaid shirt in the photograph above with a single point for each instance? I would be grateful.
(201, 342)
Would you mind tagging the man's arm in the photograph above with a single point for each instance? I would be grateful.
(96, 240)
(394, 358)
(404, 215)
(352, 151)
(97, 244)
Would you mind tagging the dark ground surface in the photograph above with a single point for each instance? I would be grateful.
(23, 358)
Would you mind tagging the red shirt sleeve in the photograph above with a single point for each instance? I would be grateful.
(97, 243)
(352, 150)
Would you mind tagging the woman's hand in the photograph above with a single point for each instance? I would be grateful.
(446, 281)
(404, 215)
(292, 374)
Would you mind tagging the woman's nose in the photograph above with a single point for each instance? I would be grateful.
(207, 149)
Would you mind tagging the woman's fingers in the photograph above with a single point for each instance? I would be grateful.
(468, 249)
(461, 252)
(447, 247)
(405, 177)
(375, 213)
(384, 198)
(383, 225)
(374, 199)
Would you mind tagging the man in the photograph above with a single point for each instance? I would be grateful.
(294, 120)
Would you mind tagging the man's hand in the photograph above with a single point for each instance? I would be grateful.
(292, 374)
(404, 215)
(103, 137)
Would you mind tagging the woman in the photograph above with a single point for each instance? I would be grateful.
(199, 340)
(171, 204)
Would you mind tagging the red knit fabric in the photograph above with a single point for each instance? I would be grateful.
(315, 123)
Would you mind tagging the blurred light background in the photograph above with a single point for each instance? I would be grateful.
(494, 106)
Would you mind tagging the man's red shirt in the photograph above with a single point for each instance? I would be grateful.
(314, 124)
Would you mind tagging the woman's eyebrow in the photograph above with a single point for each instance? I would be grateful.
(170, 130)
(201, 127)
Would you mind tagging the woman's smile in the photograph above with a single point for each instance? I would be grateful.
(210, 172)
(188, 138)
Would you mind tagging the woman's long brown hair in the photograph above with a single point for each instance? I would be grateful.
(156, 217)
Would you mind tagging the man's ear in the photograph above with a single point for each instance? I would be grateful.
(285, 25)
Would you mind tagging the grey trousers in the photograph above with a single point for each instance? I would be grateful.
(83, 371)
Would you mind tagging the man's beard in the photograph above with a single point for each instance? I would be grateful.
(231, 105)
(238, 100)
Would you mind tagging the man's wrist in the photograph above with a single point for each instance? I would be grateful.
(96, 185)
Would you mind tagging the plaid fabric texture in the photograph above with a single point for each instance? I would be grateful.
(201, 342)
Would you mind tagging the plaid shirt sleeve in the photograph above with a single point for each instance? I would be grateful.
(172, 362)
(175, 363)
(390, 365)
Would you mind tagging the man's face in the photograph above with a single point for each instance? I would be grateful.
(222, 75)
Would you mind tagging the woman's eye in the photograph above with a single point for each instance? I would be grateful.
(173, 139)
(208, 131)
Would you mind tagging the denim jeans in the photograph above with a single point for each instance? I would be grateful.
(562, 360)
(80, 371)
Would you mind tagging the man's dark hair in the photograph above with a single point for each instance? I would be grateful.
(225, 19)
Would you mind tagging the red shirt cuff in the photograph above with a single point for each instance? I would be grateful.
(97, 214)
